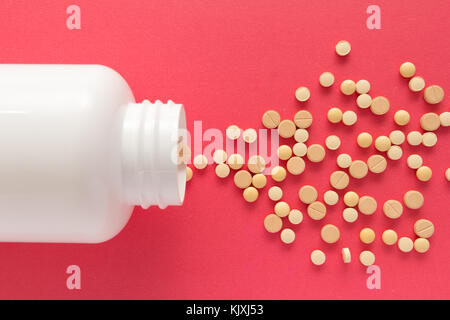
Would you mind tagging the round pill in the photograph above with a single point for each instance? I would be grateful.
(413, 199)
(367, 235)
(424, 173)
(278, 173)
(235, 161)
(271, 119)
(414, 138)
(364, 101)
(382, 143)
(380, 105)
(287, 236)
(200, 161)
(389, 237)
(333, 142)
(222, 170)
(358, 169)
(416, 84)
(405, 244)
(407, 69)
(282, 209)
(349, 118)
(393, 209)
(302, 94)
(429, 139)
(295, 165)
(343, 48)
(395, 153)
(220, 156)
(421, 245)
(367, 205)
(339, 180)
(351, 199)
(286, 129)
(348, 87)
(346, 256)
(250, 194)
(430, 121)
(273, 223)
(330, 233)
(299, 149)
(249, 135)
(318, 257)
(295, 216)
(233, 132)
(317, 210)
(433, 94)
(377, 163)
(330, 197)
(423, 228)
(256, 164)
(362, 86)
(414, 161)
(367, 258)
(447, 174)
(334, 115)
(350, 215)
(303, 119)
(315, 153)
(402, 117)
(259, 181)
(275, 193)
(307, 194)
(284, 152)
(189, 174)
(242, 179)
(344, 160)
(397, 137)
(445, 119)
(301, 135)
(364, 140)
(326, 79)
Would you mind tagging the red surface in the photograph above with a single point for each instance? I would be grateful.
(229, 61)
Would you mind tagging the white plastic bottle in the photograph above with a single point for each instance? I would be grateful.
(77, 153)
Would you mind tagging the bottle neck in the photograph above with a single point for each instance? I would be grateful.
(152, 173)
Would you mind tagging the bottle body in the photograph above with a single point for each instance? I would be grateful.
(62, 169)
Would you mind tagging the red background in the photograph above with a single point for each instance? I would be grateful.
(229, 61)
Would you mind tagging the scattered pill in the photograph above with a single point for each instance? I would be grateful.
(242, 179)
(350, 215)
(348, 87)
(334, 115)
(295, 216)
(271, 119)
(282, 209)
(367, 235)
(343, 48)
(364, 101)
(222, 170)
(402, 117)
(256, 164)
(393, 209)
(377, 163)
(303, 119)
(429, 139)
(362, 86)
(349, 118)
(344, 160)
(259, 181)
(395, 153)
(278, 173)
(189, 174)
(302, 94)
(433, 94)
(421, 245)
(233, 132)
(389, 237)
(364, 140)
(358, 169)
(330, 233)
(416, 84)
(414, 138)
(423, 228)
(235, 161)
(351, 199)
(405, 244)
(299, 149)
(380, 105)
(413, 199)
(287, 236)
(318, 257)
(317, 210)
(250, 194)
(382, 143)
(414, 161)
(447, 174)
(445, 119)
(367, 258)
(286, 129)
(424, 173)
(249, 135)
(200, 161)
(330, 197)
(315, 153)
(326, 79)
(307, 194)
(339, 180)
(367, 205)
(275, 193)
(220, 156)
(295, 165)
(407, 69)
(430, 121)
(301, 135)
(333, 142)
(346, 256)
(397, 137)
(273, 223)
(284, 152)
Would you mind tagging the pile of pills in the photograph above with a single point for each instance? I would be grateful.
(252, 179)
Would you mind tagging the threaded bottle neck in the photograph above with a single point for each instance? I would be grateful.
(152, 172)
